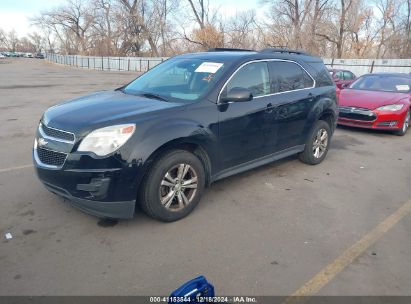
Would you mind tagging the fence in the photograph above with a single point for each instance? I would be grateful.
(141, 64)
(364, 66)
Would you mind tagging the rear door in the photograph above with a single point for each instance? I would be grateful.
(292, 90)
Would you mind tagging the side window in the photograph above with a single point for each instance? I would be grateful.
(339, 75)
(320, 73)
(288, 76)
(308, 81)
(253, 76)
(348, 75)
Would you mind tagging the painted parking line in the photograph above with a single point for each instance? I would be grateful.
(323, 277)
(15, 168)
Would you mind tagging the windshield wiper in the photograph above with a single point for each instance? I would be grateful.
(153, 95)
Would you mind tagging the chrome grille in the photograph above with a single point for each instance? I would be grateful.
(58, 134)
(51, 158)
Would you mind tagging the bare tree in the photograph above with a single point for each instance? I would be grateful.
(293, 13)
(314, 22)
(349, 28)
(138, 12)
(37, 42)
(241, 30)
(336, 30)
(104, 34)
(388, 10)
(12, 40)
(210, 31)
(3, 39)
(199, 10)
(406, 24)
(71, 23)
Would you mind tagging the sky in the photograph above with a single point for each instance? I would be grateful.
(16, 14)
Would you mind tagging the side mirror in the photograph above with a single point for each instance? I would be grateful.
(344, 85)
(238, 95)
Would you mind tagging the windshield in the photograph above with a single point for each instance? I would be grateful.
(384, 83)
(179, 80)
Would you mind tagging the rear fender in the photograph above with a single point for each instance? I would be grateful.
(325, 105)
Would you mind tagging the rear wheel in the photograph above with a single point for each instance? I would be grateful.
(405, 125)
(317, 144)
(173, 187)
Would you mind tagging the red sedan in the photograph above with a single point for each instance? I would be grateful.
(377, 101)
(342, 78)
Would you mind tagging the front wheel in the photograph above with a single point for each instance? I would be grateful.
(405, 125)
(317, 144)
(173, 186)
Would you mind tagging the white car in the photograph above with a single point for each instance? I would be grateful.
(2, 56)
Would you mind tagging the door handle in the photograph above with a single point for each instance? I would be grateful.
(310, 97)
(269, 108)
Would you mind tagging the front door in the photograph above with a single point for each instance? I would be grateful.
(246, 128)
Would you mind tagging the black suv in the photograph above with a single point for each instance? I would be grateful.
(196, 118)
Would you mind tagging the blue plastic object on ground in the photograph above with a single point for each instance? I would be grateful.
(198, 288)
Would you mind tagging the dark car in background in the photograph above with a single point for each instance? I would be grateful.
(194, 119)
(342, 78)
(377, 101)
(39, 56)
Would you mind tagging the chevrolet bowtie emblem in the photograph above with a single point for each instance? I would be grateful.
(42, 142)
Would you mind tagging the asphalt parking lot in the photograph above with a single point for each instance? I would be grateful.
(265, 232)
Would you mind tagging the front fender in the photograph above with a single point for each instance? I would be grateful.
(184, 131)
(166, 135)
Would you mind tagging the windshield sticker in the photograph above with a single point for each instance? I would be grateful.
(403, 87)
(209, 67)
(208, 78)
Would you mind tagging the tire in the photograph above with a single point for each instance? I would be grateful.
(316, 150)
(405, 125)
(166, 196)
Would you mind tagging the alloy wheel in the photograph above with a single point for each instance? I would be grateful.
(178, 187)
(320, 143)
(406, 122)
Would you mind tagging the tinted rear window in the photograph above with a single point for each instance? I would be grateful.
(322, 75)
(288, 76)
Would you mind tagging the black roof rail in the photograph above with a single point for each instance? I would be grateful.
(229, 50)
(284, 50)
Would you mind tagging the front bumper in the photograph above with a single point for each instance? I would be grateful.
(96, 186)
(117, 210)
(380, 120)
(102, 186)
(383, 125)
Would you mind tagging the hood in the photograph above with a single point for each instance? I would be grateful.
(369, 99)
(102, 109)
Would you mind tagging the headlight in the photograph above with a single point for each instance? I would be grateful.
(394, 107)
(107, 140)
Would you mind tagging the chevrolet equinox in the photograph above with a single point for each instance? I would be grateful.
(158, 141)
